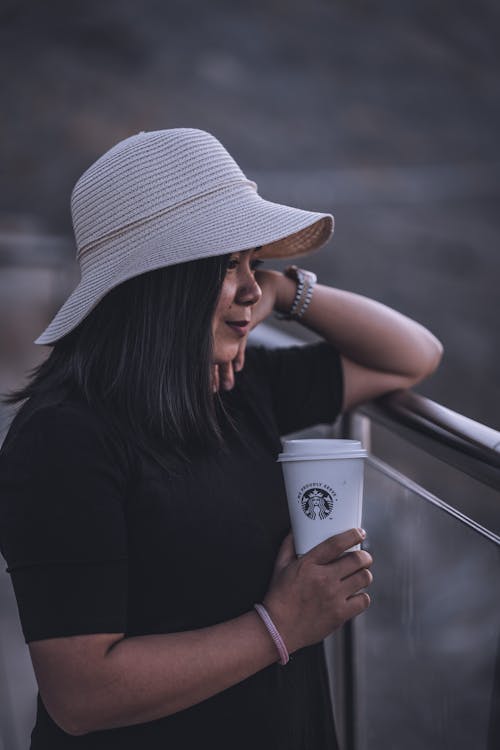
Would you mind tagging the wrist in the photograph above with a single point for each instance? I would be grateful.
(282, 623)
(286, 289)
(282, 651)
(303, 283)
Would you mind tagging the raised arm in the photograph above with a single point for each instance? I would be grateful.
(382, 350)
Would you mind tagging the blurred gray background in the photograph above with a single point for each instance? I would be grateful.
(385, 113)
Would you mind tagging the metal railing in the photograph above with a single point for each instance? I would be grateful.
(371, 711)
(463, 443)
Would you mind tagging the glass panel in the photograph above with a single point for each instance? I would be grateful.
(425, 652)
(17, 682)
(476, 500)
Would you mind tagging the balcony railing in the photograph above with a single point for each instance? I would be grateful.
(421, 669)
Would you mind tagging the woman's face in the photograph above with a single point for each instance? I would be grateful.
(239, 293)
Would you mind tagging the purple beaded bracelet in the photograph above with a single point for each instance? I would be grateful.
(273, 632)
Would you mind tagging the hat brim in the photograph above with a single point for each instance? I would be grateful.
(230, 220)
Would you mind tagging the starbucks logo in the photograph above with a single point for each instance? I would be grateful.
(317, 503)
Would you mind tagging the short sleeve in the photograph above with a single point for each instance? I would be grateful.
(62, 524)
(305, 382)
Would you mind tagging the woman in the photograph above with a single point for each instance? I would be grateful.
(143, 513)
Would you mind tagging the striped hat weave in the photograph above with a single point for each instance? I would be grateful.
(166, 197)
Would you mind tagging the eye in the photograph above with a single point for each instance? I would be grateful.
(235, 262)
(255, 264)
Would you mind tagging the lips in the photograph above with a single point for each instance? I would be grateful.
(240, 327)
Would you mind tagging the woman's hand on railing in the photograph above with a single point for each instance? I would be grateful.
(311, 596)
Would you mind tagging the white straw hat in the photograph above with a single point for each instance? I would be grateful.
(166, 197)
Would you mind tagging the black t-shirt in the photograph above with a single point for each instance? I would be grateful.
(100, 539)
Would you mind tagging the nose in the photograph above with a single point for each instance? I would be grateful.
(249, 292)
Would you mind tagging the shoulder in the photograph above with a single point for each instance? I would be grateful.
(302, 384)
(61, 431)
(262, 358)
(279, 360)
(60, 418)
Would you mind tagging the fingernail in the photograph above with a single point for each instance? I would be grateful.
(362, 532)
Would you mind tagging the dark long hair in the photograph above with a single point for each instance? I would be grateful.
(143, 357)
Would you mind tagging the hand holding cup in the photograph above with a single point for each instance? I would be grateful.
(311, 596)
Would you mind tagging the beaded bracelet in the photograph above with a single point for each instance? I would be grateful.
(273, 632)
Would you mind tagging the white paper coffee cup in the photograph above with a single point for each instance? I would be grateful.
(324, 486)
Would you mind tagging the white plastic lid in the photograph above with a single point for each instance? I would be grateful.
(303, 450)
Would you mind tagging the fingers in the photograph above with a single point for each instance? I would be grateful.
(239, 360)
(215, 378)
(224, 372)
(352, 562)
(353, 584)
(311, 596)
(332, 548)
(226, 375)
(223, 377)
(357, 604)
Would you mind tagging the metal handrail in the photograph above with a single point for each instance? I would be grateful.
(459, 441)
(409, 404)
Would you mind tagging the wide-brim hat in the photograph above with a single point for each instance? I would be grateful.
(166, 197)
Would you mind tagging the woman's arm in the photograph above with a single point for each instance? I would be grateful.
(96, 682)
(382, 350)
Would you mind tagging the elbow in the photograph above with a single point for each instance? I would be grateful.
(435, 355)
(430, 359)
(69, 724)
(68, 717)
(74, 731)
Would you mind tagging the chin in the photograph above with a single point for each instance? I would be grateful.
(226, 355)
